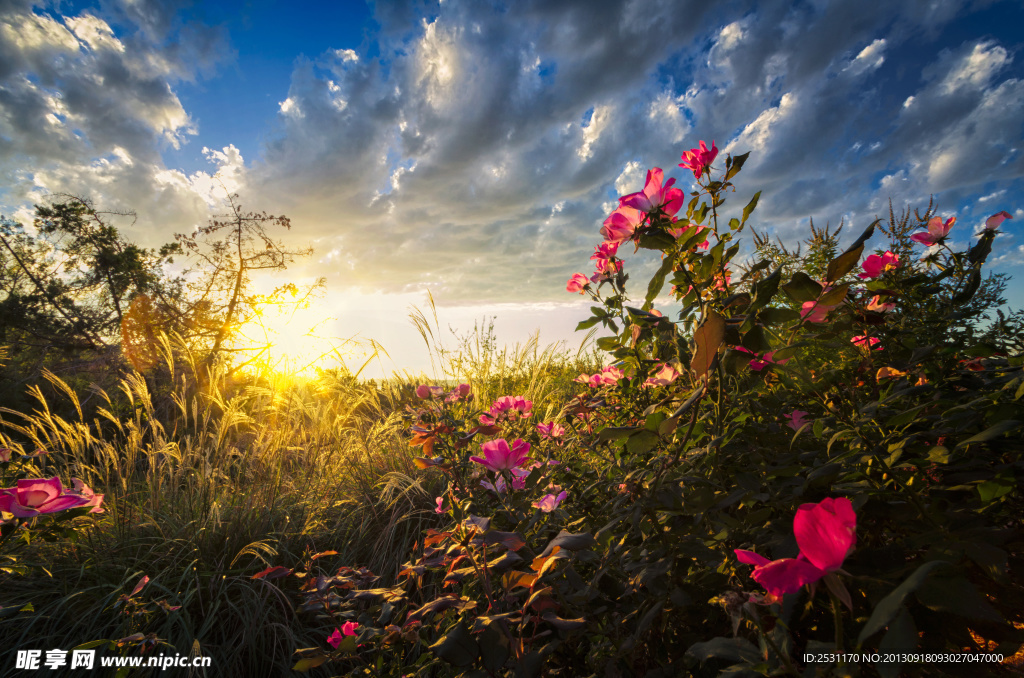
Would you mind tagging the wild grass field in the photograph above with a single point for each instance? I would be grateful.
(204, 488)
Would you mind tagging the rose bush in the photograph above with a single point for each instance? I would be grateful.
(844, 421)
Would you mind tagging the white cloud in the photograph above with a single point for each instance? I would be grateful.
(976, 69)
(290, 107)
(630, 180)
(869, 58)
(346, 55)
(95, 33)
(758, 134)
(599, 120)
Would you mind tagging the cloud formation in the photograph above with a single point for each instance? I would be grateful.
(476, 148)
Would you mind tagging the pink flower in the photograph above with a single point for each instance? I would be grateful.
(84, 491)
(33, 497)
(519, 476)
(993, 221)
(937, 230)
(877, 305)
(591, 380)
(720, 283)
(655, 196)
(611, 375)
(549, 502)
(510, 407)
(699, 159)
(440, 502)
(863, 341)
(334, 640)
(349, 628)
(424, 391)
(621, 224)
(498, 456)
(605, 250)
(5, 454)
(758, 363)
(577, 282)
(779, 577)
(825, 532)
(875, 265)
(665, 375)
(457, 393)
(796, 419)
(552, 430)
(815, 312)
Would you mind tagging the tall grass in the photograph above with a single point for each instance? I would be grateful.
(206, 486)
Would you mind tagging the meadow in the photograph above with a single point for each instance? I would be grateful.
(813, 468)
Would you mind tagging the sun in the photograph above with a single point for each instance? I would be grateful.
(293, 340)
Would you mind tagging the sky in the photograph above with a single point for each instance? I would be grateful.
(471, 149)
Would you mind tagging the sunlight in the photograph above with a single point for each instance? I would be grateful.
(293, 341)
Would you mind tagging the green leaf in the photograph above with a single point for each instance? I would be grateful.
(802, 288)
(457, 647)
(529, 665)
(890, 606)
(956, 595)
(843, 264)
(642, 442)
(736, 166)
(616, 432)
(901, 637)
(698, 216)
(939, 454)
(708, 338)
(756, 341)
(730, 649)
(494, 649)
(991, 433)
(775, 316)
(657, 282)
(307, 663)
(835, 295)
(607, 343)
(750, 207)
(570, 542)
(981, 251)
(973, 283)
(587, 324)
(905, 417)
(563, 624)
(868, 232)
(1002, 484)
(648, 619)
(656, 241)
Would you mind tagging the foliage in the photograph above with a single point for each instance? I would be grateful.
(849, 377)
(818, 455)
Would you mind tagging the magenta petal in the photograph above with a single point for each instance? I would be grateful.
(751, 558)
(826, 532)
(68, 501)
(483, 462)
(36, 491)
(787, 575)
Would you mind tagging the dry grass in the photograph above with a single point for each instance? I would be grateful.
(206, 486)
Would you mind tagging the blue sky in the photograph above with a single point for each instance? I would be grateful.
(474, 148)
